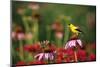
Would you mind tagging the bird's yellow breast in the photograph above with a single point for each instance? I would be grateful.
(73, 28)
(74, 31)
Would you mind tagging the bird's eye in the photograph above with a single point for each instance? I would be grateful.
(68, 24)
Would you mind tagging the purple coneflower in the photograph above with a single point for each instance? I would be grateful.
(72, 43)
(44, 56)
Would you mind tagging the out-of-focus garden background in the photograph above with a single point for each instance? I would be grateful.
(35, 24)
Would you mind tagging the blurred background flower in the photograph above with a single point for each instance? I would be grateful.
(59, 35)
(33, 6)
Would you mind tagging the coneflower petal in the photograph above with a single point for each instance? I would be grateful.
(79, 42)
(70, 42)
(51, 56)
(74, 43)
(46, 56)
(39, 56)
(66, 46)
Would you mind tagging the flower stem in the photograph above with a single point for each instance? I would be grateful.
(48, 32)
(24, 18)
(58, 42)
(27, 28)
(75, 55)
(21, 53)
(66, 33)
(35, 30)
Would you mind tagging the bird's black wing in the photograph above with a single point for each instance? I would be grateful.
(78, 30)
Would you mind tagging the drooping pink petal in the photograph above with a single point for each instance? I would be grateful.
(79, 42)
(66, 46)
(70, 43)
(39, 56)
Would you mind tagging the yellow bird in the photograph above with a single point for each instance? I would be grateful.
(74, 29)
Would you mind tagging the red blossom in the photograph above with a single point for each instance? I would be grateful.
(70, 59)
(29, 48)
(17, 49)
(81, 55)
(32, 48)
(21, 63)
(93, 46)
(67, 55)
(70, 52)
(59, 60)
(37, 62)
(60, 49)
(92, 57)
(60, 55)
(64, 50)
(51, 48)
(67, 60)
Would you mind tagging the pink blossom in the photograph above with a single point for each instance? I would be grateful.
(13, 34)
(21, 36)
(59, 35)
(29, 36)
(20, 10)
(39, 56)
(44, 56)
(34, 6)
(72, 43)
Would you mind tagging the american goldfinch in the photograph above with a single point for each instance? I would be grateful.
(74, 29)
